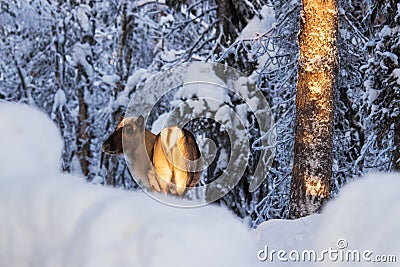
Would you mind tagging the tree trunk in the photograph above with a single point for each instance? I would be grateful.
(120, 70)
(396, 152)
(317, 69)
(83, 141)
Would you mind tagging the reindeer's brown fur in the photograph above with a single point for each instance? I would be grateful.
(167, 162)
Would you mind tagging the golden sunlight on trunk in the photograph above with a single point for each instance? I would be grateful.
(317, 68)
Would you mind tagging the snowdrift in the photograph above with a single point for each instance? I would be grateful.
(359, 228)
(365, 218)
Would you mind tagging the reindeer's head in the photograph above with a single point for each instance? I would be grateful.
(128, 129)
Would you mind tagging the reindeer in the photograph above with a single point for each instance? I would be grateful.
(168, 162)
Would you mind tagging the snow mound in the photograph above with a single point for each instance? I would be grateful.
(366, 215)
(285, 235)
(359, 228)
(61, 221)
(30, 143)
(52, 219)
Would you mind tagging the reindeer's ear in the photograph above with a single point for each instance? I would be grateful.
(121, 119)
(140, 121)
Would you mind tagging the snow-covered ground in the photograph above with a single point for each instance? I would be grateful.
(53, 219)
(359, 228)
(367, 217)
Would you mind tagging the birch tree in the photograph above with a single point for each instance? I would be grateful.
(317, 69)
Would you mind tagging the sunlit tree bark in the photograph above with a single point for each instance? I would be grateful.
(317, 69)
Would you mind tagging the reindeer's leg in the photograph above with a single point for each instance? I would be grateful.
(181, 179)
(163, 174)
(153, 181)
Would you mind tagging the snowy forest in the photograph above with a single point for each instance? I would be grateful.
(82, 61)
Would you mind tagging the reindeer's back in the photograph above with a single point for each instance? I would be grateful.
(190, 150)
